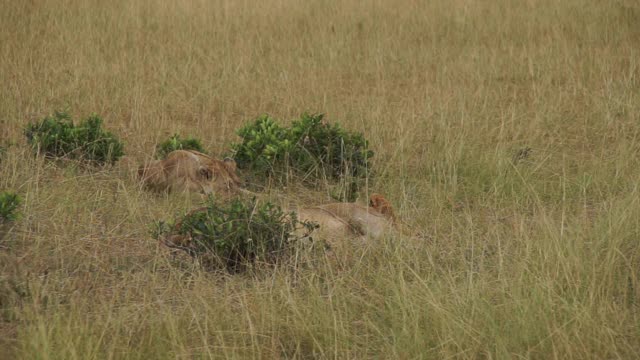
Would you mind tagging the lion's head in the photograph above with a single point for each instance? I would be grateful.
(381, 205)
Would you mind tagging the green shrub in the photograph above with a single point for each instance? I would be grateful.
(176, 143)
(265, 144)
(309, 147)
(9, 203)
(56, 136)
(237, 234)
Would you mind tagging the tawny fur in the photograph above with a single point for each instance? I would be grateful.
(382, 205)
(340, 221)
(192, 171)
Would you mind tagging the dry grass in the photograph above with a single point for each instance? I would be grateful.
(522, 254)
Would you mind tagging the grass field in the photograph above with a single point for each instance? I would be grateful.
(507, 135)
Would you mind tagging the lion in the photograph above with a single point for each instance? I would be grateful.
(340, 221)
(191, 171)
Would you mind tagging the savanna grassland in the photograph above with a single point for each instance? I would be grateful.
(506, 134)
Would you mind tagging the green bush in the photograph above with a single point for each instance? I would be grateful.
(237, 234)
(176, 143)
(264, 145)
(56, 136)
(9, 203)
(310, 147)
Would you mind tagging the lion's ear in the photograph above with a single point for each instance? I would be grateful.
(206, 173)
(230, 164)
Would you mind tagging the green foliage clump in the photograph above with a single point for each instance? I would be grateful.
(9, 203)
(57, 136)
(264, 145)
(177, 143)
(236, 234)
(310, 147)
